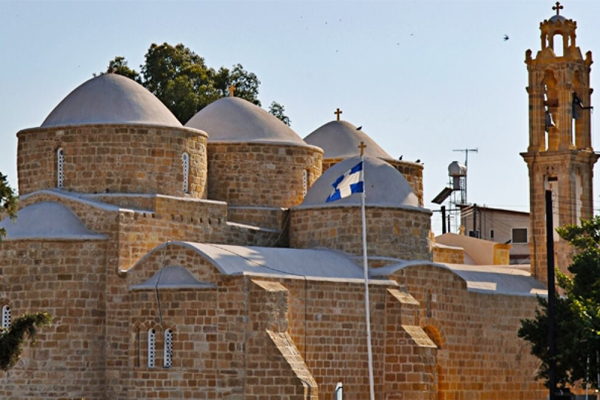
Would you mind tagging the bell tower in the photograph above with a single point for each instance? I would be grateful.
(560, 157)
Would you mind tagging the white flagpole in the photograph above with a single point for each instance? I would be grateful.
(366, 273)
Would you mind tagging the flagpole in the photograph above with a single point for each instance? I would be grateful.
(366, 274)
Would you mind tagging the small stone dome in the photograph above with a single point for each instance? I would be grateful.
(385, 186)
(232, 119)
(557, 18)
(340, 139)
(110, 99)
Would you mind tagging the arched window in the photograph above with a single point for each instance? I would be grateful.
(168, 356)
(186, 172)
(60, 164)
(5, 317)
(151, 348)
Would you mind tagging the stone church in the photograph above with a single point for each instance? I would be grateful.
(203, 261)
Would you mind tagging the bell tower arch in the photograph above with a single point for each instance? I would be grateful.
(560, 155)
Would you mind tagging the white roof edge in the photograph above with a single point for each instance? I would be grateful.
(154, 195)
(316, 278)
(81, 199)
(505, 293)
(253, 227)
(63, 238)
(140, 124)
(260, 141)
(257, 208)
(333, 205)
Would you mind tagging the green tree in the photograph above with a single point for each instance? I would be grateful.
(13, 338)
(8, 202)
(577, 312)
(279, 111)
(183, 82)
(26, 326)
(119, 66)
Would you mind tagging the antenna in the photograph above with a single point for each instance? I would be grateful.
(466, 151)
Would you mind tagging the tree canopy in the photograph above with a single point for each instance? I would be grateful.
(185, 84)
(577, 312)
(12, 338)
(8, 202)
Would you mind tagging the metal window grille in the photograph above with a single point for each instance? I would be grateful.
(168, 356)
(5, 317)
(305, 182)
(60, 164)
(151, 348)
(186, 172)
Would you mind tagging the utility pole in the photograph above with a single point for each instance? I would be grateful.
(551, 297)
(466, 151)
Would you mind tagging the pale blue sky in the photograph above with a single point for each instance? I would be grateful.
(421, 77)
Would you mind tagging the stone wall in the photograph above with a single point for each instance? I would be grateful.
(135, 233)
(117, 158)
(261, 174)
(412, 172)
(391, 232)
(448, 255)
(273, 338)
(327, 324)
(67, 280)
(481, 356)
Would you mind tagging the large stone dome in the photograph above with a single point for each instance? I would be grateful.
(385, 186)
(232, 119)
(340, 139)
(110, 99)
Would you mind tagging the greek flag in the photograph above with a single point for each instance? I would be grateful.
(351, 182)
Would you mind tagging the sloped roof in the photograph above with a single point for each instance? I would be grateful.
(110, 99)
(239, 260)
(47, 220)
(340, 139)
(490, 279)
(232, 119)
(385, 186)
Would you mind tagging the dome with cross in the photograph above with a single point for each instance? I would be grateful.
(341, 139)
(384, 186)
(232, 119)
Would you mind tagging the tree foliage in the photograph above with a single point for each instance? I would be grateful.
(12, 338)
(184, 83)
(8, 202)
(577, 312)
(279, 111)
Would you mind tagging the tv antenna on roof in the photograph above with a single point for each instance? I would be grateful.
(466, 151)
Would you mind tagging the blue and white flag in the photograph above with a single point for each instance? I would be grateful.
(351, 182)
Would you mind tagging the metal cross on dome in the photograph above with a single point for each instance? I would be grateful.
(338, 112)
(557, 7)
(231, 90)
(362, 147)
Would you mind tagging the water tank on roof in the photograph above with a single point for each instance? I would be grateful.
(457, 169)
(457, 172)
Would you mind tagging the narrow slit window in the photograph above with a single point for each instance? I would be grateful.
(305, 182)
(168, 356)
(151, 348)
(186, 172)
(60, 165)
(5, 317)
